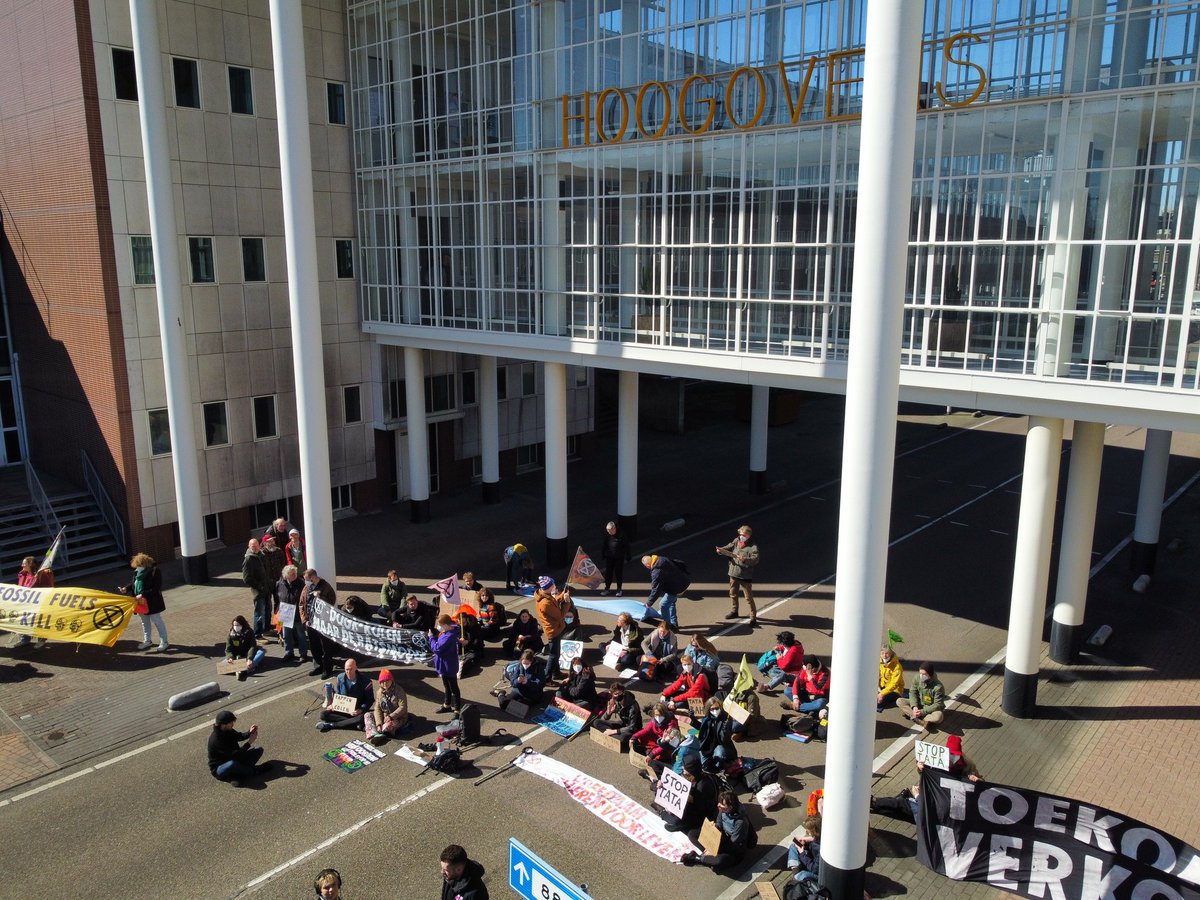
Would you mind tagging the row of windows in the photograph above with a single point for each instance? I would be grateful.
(266, 422)
(203, 263)
(263, 514)
(186, 77)
(443, 392)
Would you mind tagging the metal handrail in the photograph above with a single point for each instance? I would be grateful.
(108, 509)
(41, 502)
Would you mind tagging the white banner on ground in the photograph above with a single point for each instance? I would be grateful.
(621, 812)
(397, 644)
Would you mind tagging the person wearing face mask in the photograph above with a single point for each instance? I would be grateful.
(738, 836)
(891, 679)
(620, 716)
(525, 681)
(525, 634)
(660, 653)
(715, 741)
(701, 801)
(661, 721)
(443, 641)
(926, 703)
(691, 684)
(317, 590)
(579, 687)
(743, 557)
(240, 644)
(391, 595)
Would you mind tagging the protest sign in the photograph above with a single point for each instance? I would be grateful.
(568, 650)
(342, 703)
(936, 755)
(710, 838)
(354, 756)
(736, 711)
(606, 740)
(697, 707)
(287, 615)
(562, 718)
(672, 793)
(232, 666)
(74, 614)
(396, 644)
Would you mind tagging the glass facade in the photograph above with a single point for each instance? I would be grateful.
(684, 173)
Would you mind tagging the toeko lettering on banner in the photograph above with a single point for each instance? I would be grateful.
(1039, 845)
(397, 644)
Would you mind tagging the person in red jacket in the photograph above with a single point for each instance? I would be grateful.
(810, 693)
(691, 684)
(789, 662)
(661, 721)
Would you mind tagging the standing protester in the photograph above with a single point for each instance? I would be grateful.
(146, 588)
(287, 590)
(256, 577)
(462, 878)
(444, 644)
(277, 530)
(615, 554)
(232, 755)
(351, 683)
(317, 590)
(518, 566)
(294, 551)
(667, 582)
(743, 557)
(29, 577)
(274, 557)
(555, 612)
(926, 703)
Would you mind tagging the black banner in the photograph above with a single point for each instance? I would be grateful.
(396, 644)
(1040, 845)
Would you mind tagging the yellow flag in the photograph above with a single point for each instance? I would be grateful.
(745, 678)
(82, 615)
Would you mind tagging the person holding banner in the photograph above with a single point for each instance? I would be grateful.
(614, 553)
(240, 644)
(317, 590)
(146, 588)
(36, 578)
(287, 601)
(414, 615)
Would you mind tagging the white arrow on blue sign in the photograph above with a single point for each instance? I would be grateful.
(533, 878)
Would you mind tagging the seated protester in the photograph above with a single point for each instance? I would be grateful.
(660, 653)
(891, 679)
(691, 683)
(668, 755)
(415, 615)
(701, 801)
(903, 806)
(525, 681)
(628, 636)
(389, 712)
(350, 683)
(789, 660)
(356, 606)
(391, 595)
(469, 583)
(241, 644)
(926, 703)
(571, 623)
(701, 649)
(525, 634)
(738, 836)
(961, 766)
(470, 641)
(725, 675)
(804, 856)
(716, 737)
(492, 617)
(232, 755)
(660, 722)
(619, 716)
(810, 693)
(579, 687)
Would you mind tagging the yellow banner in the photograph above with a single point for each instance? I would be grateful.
(65, 614)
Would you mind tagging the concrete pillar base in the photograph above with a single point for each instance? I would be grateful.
(557, 553)
(195, 569)
(1020, 694)
(757, 483)
(491, 492)
(1064, 642)
(843, 884)
(418, 511)
(628, 526)
(1142, 557)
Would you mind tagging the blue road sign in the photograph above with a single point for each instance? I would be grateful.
(531, 877)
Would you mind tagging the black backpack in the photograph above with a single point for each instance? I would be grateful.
(449, 761)
(766, 772)
(468, 716)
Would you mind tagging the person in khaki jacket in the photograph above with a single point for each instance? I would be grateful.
(743, 557)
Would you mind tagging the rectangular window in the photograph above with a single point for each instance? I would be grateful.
(124, 75)
(343, 251)
(572, 446)
(343, 496)
(502, 382)
(469, 388)
(352, 403)
(212, 527)
(241, 91)
(143, 258)
(263, 514)
(200, 251)
(439, 393)
(254, 263)
(529, 457)
(160, 432)
(528, 380)
(582, 376)
(336, 93)
(216, 424)
(397, 400)
(187, 82)
(264, 418)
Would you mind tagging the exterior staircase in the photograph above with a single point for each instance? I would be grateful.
(90, 545)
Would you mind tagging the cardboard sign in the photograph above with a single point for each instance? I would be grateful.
(287, 615)
(232, 666)
(343, 703)
(738, 713)
(636, 759)
(697, 707)
(766, 890)
(465, 598)
(568, 650)
(710, 838)
(606, 740)
(517, 708)
(672, 793)
(935, 755)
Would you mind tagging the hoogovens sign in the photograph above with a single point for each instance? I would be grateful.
(1039, 845)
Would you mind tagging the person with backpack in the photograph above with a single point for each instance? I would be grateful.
(743, 557)
(668, 579)
(788, 663)
(738, 836)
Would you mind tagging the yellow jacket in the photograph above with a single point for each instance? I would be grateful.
(891, 676)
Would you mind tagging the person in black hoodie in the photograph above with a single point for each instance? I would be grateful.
(579, 687)
(738, 836)
(462, 878)
(615, 554)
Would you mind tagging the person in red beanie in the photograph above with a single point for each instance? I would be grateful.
(961, 766)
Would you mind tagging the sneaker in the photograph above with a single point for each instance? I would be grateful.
(619, 593)
(145, 645)
(324, 727)
(289, 658)
(378, 738)
(442, 709)
(162, 648)
(604, 593)
(241, 675)
(690, 858)
(315, 670)
(732, 614)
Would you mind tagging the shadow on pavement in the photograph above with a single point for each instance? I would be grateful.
(21, 671)
(1113, 713)
(283, 769)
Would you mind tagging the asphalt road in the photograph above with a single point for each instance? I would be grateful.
(152, 821)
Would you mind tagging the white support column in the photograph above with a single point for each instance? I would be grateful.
(160, 196)
(627, 453)
(760, 403)
(1031, 568)
(1153, 485)
(418, 434)
(300, 239)
(554, 299)
(555, 393)
(1078, 529)
(489, 429)
(892, 62)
